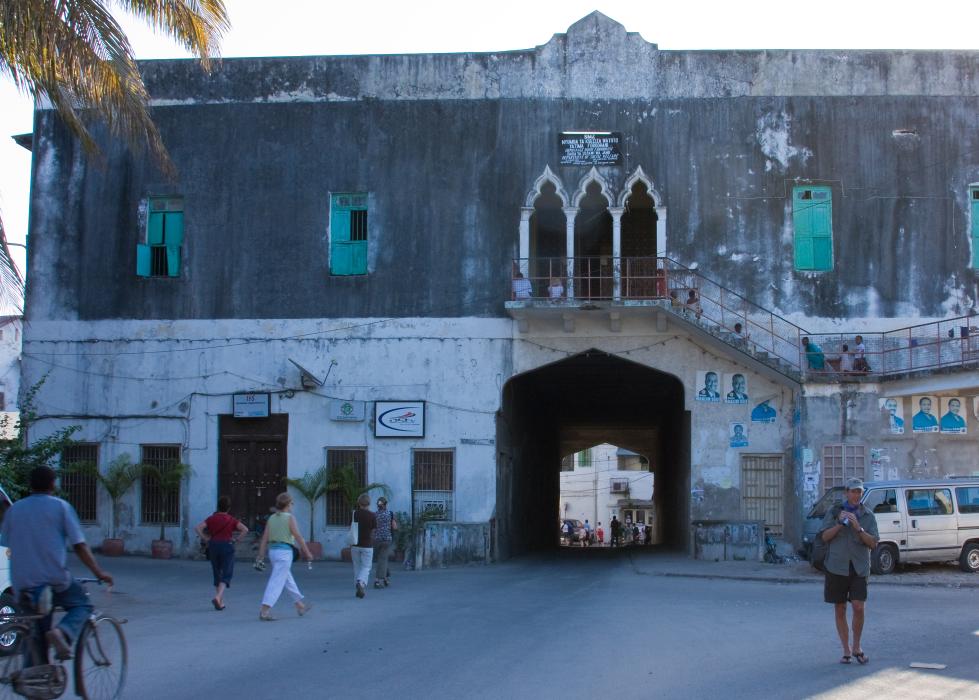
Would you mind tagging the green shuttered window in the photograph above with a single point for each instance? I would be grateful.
(812, 221)
(348, 234)
(160, 255)
(974, 224)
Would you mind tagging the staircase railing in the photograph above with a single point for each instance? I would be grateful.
(742, 323)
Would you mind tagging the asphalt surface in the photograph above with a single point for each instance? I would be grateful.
(575, 624)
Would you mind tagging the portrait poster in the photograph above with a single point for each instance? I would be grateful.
(894, 408)
(924, 418)
(736, 388)
(738, 435)
(399, 419)
(763, 412)
(708, 386)
(953, 417)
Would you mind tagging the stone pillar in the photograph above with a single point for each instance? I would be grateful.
(569, 216)
(660, 232)
(616, 213)
(524, 251)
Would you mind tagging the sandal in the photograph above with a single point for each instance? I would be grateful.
(216, 604)
(861, 657)
(845, 659)
(266, 617)
(303, 608)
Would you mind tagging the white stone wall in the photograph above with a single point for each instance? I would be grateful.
(10, 340)
(587, 489)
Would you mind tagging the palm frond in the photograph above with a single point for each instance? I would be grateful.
(75, 54)
(11, 283)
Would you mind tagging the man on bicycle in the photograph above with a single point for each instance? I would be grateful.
(36, 530)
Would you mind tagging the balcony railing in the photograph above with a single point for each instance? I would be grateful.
(740, 322)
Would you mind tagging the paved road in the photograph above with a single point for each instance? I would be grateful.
(562, 627)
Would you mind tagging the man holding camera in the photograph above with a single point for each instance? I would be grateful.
(850, 532)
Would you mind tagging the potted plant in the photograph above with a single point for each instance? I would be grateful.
(404, 536)
(311, 486)
(345, 480)
(168, 478)
(117, 479)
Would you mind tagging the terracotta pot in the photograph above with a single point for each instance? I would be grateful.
(316, 549)
(345, 555)
(113, 547)
(161, 549)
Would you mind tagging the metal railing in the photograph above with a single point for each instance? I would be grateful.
(742, 323)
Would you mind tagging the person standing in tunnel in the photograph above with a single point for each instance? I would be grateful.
(616, 527)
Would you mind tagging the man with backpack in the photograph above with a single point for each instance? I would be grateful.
(850, 533)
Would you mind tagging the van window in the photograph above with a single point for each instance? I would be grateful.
(881, 501)
(929, 501)
(968, 498)
(829, 499)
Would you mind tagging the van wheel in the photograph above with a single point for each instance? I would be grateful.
(8, 640)
(884, 560)
(969, 561)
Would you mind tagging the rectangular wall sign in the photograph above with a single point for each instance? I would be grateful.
(590, 148)
(399, 419)
(251, 405)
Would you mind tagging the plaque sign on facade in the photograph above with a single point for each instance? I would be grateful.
(250, 405)
(590, 148)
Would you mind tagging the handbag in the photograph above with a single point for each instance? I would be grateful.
(353, 535)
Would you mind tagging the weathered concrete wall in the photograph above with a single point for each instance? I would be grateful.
(453, 544)
(852, 414)
(449, 146)
(133, 383)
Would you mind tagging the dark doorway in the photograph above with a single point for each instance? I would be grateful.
(569, 405)
(252, 464)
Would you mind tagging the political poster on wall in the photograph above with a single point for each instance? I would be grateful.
(736, 388)
(763, 412)
(924, 419)
(738, 435)
(894, 405)
(709, 384)
(953, 419)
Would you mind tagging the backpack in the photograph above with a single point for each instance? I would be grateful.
(817, 557)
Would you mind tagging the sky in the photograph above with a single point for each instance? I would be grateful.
(320, 27)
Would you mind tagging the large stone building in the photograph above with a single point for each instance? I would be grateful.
(475, 252)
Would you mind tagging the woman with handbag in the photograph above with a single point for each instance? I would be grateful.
(280, 538)
(218, 532)
(383, 539)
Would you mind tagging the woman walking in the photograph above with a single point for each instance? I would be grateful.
(383, 540)
(363, 552)
(280, 536)
(218, 533)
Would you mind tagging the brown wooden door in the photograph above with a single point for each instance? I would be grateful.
(252, 464)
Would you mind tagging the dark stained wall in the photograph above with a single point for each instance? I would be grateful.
(259, 151)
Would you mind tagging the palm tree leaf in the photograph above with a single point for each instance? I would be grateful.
(195, 25)
(11, 283)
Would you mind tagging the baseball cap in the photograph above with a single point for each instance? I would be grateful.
(854, 484)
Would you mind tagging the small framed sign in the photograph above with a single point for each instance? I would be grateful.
(251, 405)
(399, 419)
(590, 148)
(344, 410)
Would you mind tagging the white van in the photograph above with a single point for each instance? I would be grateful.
(919, 521)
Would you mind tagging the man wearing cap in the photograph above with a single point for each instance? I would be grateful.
(850, 532)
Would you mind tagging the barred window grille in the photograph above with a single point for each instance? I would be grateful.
(337, 507)
(157, 507)
(433, 483)
(80, 490)
(842, 462)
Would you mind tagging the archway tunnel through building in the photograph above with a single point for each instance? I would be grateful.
(586, 399)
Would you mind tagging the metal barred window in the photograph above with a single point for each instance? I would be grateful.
(157, 507)
(79, 489)
(433, 483)
(337, 508)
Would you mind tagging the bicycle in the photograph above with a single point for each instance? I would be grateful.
(771, 552)
(98, 661)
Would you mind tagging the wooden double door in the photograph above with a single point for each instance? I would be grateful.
(252, 465)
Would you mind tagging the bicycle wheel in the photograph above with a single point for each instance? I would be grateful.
(100, 660)
(11, 658)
